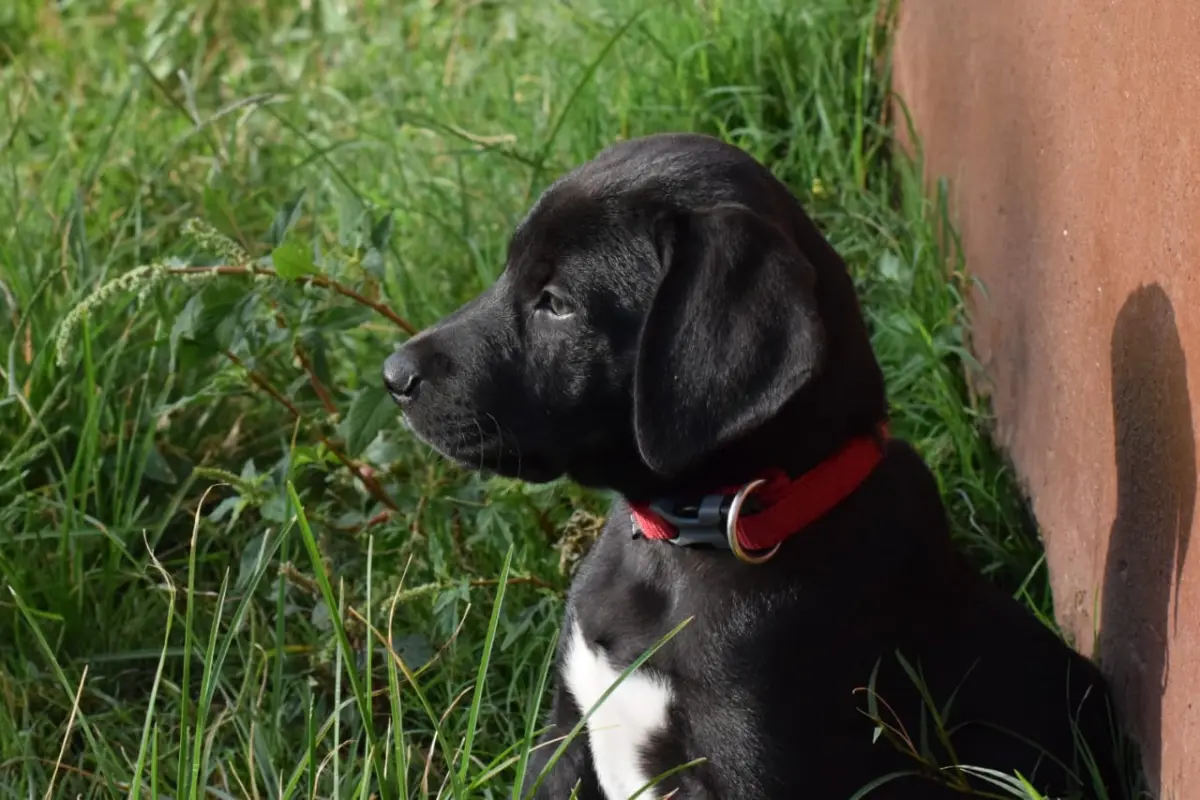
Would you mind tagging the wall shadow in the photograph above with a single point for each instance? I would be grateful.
(1156, 495)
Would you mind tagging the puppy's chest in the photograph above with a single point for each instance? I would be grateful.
(625, 727)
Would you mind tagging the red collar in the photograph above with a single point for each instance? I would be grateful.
(787, 506)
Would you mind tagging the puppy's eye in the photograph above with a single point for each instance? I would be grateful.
(553, 304)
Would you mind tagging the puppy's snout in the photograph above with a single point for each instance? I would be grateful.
(402, 375)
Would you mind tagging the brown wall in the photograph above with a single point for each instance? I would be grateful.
(1069, 131)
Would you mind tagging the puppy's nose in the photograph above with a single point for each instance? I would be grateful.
(400, 375)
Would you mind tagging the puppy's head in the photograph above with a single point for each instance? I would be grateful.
(667, 314)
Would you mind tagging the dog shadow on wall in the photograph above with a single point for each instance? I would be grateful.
(1156, 494)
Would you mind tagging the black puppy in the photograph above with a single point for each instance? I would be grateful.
(671, 325)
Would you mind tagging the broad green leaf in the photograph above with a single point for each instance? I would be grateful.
(372, 409)
(340, 318)
(212, 317)
(157, 469)
(230, 508)
(285, 218)
(891, 268)
(381, 231)
(274, 509)
(215, 204)
(372, 262)
(415, 649)
(185, 323)
(233, 323)
(293, 260)
(251, 558)
(350, 219)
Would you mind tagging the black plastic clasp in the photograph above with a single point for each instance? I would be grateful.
(696, 524)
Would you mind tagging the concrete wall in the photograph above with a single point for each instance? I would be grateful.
(1069, 131)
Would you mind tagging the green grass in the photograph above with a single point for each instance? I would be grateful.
(211, 526)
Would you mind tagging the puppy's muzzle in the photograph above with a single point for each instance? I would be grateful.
(402, 376)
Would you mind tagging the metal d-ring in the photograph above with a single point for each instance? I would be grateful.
(735, 510)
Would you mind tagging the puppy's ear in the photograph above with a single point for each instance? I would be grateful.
(732, 334)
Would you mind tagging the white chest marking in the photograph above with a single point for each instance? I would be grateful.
(619, 729)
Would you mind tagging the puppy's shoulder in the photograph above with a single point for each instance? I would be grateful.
(903, 491)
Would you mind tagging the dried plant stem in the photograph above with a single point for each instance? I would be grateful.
(316, 280)
(318, 387)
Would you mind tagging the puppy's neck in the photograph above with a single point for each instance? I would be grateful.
(781, 446)
(782, 504)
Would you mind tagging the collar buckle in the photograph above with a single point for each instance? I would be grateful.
(696, 524)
